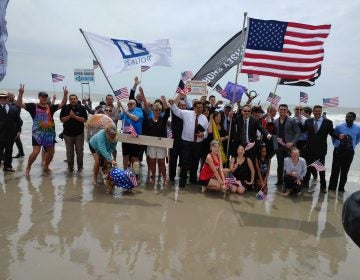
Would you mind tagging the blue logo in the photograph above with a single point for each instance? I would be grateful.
(130, 49)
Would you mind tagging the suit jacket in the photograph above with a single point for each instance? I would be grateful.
(291, 133)
(253, 126)
(10, 123)
(316, 143)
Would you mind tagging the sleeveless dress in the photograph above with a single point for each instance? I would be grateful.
(242, 173)
(206, 173)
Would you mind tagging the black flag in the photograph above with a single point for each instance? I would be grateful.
(221, 62)
(301, 83)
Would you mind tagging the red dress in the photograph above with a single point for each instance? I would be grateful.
(206, 173)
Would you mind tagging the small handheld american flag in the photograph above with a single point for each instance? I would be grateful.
(169, 133)
(187, 75)
(145, 68)
(273, 98)
(184, 91)
(57, 77)
(318, 165)
(121, 93)
(304, 97)
(130, 130)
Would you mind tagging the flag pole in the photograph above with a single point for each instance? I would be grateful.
(272, 100)
(87, 42)
(238, 67)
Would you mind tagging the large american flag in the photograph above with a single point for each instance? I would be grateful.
(304, 97)
(318, 165)
(57, 77)
(330, 102)
(273, 99)
(253, 78)
(121, 93)
(287, 50)
(130, 130)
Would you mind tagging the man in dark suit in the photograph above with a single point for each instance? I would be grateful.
(287, 133)
(243, 131)
(10, 126)
(318, 129)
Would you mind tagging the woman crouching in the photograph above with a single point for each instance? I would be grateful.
(101, 145)
(212, 174)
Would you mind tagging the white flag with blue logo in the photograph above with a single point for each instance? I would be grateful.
(118, 55)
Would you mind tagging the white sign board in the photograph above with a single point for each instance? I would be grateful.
(147, 140)
(84, 75)
(197, 87)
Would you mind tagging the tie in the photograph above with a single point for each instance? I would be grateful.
(244, 132)
(316, 126)
(195, 130)
(4, 107)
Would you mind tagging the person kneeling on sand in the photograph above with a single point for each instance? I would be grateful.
(101, 145)
(295, 170)
(212, 173)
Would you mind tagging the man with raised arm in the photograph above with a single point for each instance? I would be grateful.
(43, 129)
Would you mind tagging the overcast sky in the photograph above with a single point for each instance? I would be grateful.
(44, 38)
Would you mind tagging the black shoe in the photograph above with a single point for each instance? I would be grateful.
(323, 190)
(341, 189)
(19, 156)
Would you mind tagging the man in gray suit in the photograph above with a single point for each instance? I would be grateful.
(285, 136)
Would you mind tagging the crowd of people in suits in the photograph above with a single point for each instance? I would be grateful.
(232, 145)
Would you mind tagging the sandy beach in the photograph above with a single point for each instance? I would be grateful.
(59, 226)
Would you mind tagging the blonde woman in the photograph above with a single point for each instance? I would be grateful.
(157, 127)
(102, 145)
(212, 174)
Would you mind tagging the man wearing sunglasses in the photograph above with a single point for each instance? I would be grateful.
(43, 130)
(10, 126)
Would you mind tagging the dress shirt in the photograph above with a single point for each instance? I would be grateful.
(353, 131)
(188, 118)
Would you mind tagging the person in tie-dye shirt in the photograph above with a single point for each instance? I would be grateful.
(43, 129)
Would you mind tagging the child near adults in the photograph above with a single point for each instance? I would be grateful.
(262, 166)
(102, 145)
(212, 174)
(243, 170)
(295, 170)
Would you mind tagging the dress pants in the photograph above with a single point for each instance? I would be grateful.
(309, 160)
(281, 154)
(191, 154)
(173, 160)
(74, 143)
(7, 147)
(341, 163)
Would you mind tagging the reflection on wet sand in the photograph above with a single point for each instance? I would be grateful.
(58, 225)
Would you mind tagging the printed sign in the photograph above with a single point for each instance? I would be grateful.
(197, 87)
(84, 75)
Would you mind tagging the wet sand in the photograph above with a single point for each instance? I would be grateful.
(59, 226)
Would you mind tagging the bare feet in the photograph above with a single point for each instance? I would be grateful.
(203, 189)
(287, 193)
(27, 172)
(46, 169)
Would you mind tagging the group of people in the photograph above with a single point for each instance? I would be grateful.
(232, 148)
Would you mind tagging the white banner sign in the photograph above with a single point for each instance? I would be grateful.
(84, 75)
(197, 87)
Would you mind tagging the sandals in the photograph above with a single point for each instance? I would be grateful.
(9, 169)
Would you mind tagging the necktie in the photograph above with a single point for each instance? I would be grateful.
(4, 107)
(316, 126)
(244, 132)
(195, 129)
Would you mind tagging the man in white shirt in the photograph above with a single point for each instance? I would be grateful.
(194, 131)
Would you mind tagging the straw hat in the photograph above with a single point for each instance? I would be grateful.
(3, 93)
